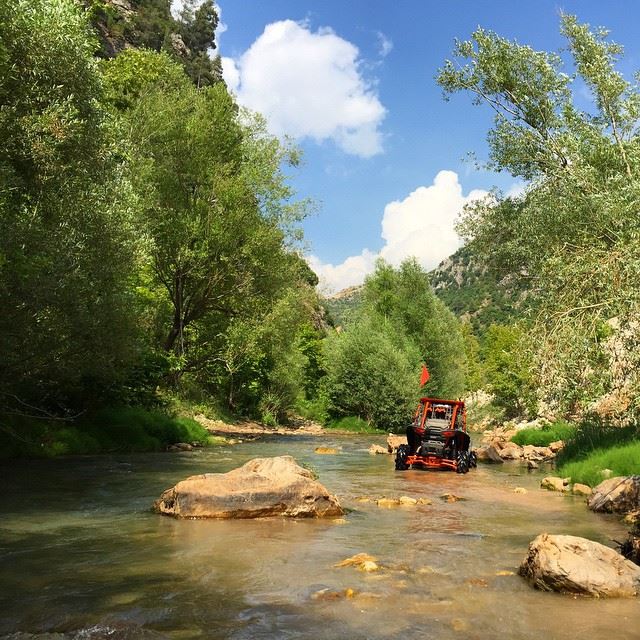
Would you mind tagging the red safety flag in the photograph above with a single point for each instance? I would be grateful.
(424, 376)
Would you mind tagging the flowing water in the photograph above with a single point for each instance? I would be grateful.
(82, 555)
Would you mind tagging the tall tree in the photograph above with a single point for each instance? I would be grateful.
(67, 328)
(574, 235)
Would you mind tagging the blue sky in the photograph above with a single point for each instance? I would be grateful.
(353, 81)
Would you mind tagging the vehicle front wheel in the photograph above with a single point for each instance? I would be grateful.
(401, 457)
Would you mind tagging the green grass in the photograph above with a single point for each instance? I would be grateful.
(595, 434)
(352, 424)
(116, 429)
(543, 437)
(623, 460)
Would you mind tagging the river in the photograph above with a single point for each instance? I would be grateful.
(82, 555)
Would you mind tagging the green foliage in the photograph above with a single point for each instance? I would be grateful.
(594, 433)
(352, 424)
(162, 234)
(368, 376)
(622, 460)
(373, 366)
(122, 429)
(474, 370)
(572, 239)
(64, 197)
(508, 370)
(548, 433)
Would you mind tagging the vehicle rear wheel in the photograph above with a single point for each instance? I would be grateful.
(401, 457)
(462, 462)
(473, 459)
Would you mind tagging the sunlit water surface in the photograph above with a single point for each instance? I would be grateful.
(82, 555)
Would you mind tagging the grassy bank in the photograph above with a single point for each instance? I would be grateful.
(119, 429)
(621, 460)
(544, 436)
(597, 445)
(352, 424)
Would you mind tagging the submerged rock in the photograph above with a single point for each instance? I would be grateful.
(575, 565)
(355, 561)
(581, 489)
(616, 495)
(326, 450)
(552, 483)
(450, 497)
(376, 449)
(261, 487)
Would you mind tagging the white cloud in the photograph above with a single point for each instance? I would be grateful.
(421, 225)
(308, 85)
(351, 272)
(385, 44)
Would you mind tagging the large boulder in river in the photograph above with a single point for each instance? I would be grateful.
(261, 487)
(616, 495)
(575, 565)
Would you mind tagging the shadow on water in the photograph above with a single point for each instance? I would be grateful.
(82, 555)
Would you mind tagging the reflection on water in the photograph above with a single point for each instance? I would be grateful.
(82, 555)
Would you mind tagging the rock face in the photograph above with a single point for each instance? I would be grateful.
(616, 495)
(261, 487)
(575, 565)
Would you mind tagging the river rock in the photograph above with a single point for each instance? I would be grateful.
(261, 487)
(327, 451)
(616, 495)
(556, 446)
(536, 454)
(375, 449)
(394, 441)
(489, 454)
(575, 565)
(581, 489)
(552, 483)
(180, 446)
(532, 465)
(511, 451)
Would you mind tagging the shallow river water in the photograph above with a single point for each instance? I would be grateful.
(82, 555)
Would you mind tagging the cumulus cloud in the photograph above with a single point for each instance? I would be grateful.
(309, 85)
(421, 225)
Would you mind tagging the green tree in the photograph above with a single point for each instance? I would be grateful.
(369, 376)
(198, 30)
(402, 301)
(215, 207)
(508, 370)
(573, 237)
(67, 248)
(402, 323)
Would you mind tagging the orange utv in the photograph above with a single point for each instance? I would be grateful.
(437, 438)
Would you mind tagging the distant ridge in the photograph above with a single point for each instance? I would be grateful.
(462, 281)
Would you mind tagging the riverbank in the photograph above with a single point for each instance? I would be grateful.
(138, 430)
